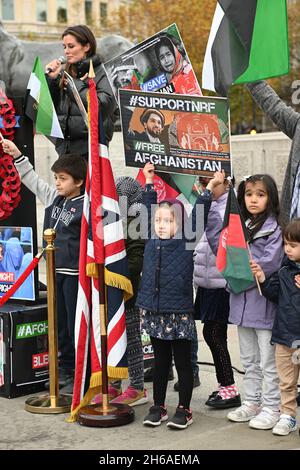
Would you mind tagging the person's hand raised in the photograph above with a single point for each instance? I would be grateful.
(219, 178)
(148, 171)
(10, 148)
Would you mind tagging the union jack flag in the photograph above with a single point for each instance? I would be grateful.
(101, 242)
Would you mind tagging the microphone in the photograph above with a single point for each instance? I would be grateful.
(62, 59)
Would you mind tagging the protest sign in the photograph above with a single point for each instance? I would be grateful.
(177, 133)
(160, 63)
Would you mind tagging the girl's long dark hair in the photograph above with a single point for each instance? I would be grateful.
(272, 208)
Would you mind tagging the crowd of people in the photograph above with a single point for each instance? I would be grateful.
(173, 284)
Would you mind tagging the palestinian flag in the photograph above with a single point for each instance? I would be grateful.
(39, 106)
(248, 41)
(172, 186)
(233, 256)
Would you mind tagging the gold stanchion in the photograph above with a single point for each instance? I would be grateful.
(53, 402)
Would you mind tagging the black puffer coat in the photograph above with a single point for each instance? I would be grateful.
(281, 289)
(69, 116)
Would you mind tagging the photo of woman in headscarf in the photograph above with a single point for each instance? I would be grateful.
(178, 70)
(13, 256)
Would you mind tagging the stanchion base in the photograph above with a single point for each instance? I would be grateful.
(41, 404)
(95, 416)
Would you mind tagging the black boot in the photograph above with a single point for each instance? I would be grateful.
(223, 403)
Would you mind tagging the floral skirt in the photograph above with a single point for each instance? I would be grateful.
(169, 326)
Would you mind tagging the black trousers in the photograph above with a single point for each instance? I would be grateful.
(66, 295)
(163, 349)
(215, 335)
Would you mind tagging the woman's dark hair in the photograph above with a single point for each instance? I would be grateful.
(291, 232)
(84, 36)
(272, 203)
(72, 164)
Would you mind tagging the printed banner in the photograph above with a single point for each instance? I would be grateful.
(160, 63)
(178, 134)
(16, 253)
(29, 333)
(147, 349)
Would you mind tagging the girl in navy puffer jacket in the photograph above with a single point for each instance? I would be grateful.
(166, 301)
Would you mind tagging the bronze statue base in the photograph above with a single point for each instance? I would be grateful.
(42, 404)
(95, 416)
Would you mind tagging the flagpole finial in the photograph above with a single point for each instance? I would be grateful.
(91, 70)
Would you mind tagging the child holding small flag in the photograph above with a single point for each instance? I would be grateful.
(212, 299)
(254, 315)
(282, 288)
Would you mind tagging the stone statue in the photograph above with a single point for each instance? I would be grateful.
(17, 57)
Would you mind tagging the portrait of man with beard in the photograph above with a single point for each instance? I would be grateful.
(153, 122)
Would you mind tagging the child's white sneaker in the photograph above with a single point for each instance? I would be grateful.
(285, 425)
(244, 413)
(266, 419)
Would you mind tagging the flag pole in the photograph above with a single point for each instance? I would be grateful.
(104, 414)
(103, 327)
(103, 314)
(257, 281)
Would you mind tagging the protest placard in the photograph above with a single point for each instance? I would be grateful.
(177, 133)
(160, 63)
(16, 253)
(77, 98)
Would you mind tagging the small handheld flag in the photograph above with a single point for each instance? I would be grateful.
(39, 105)
(233, 256)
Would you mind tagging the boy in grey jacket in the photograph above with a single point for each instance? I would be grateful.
(63, 212)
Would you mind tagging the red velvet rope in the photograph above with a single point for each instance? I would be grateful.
(11, 183)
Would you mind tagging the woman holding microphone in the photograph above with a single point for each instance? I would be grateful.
(80, 46)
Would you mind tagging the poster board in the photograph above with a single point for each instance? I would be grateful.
(159, 63)
(16, 253)
(177, 133)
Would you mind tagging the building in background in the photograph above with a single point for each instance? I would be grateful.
(47, 19)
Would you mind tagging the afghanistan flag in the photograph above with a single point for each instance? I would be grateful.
(39, 105)
(171, 185)
(233, 256)
(248, 41)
